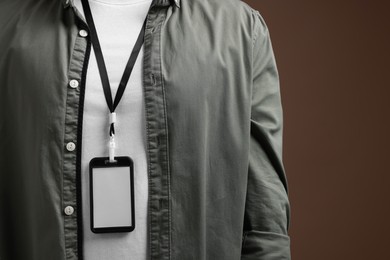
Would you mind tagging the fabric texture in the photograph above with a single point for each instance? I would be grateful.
(217, 188)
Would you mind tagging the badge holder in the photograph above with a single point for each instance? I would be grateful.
(112, 178)
(112, 195)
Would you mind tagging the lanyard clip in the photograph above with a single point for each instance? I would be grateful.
(112, 118)
(112, 123)
(111, 147)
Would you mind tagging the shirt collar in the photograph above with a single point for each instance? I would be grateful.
(67, 3)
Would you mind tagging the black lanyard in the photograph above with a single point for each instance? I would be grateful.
(102, 67)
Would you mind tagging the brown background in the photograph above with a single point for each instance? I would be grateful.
(333, 59)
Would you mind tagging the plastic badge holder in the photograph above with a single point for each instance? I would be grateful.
(112, 195)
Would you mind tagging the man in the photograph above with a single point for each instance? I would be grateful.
(199, 125)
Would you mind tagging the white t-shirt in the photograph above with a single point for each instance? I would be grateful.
(118, 23)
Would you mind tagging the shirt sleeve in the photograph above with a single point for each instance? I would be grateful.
(267, 209)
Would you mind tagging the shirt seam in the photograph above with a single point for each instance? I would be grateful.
(64, 141)
(255, 29)
(147, 116)
(166, 139)
(79, 201)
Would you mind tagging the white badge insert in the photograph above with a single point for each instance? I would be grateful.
(112, 195)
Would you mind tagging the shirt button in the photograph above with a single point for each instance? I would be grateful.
(69, 210)
(70, 146)
(83, 33)
(73, 83)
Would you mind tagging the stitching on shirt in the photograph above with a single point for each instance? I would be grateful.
(147, 115)
(79, 200)
(64, 137)
(166, 140)
(256, 28)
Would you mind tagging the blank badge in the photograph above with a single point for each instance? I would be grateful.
(112, 195)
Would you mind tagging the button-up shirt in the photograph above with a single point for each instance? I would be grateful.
(214, 123)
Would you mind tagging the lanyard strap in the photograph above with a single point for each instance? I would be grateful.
(102, 67)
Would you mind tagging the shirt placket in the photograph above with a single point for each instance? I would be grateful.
(72, 150)
(157, 138)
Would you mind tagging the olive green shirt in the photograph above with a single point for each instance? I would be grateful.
(214, 123)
